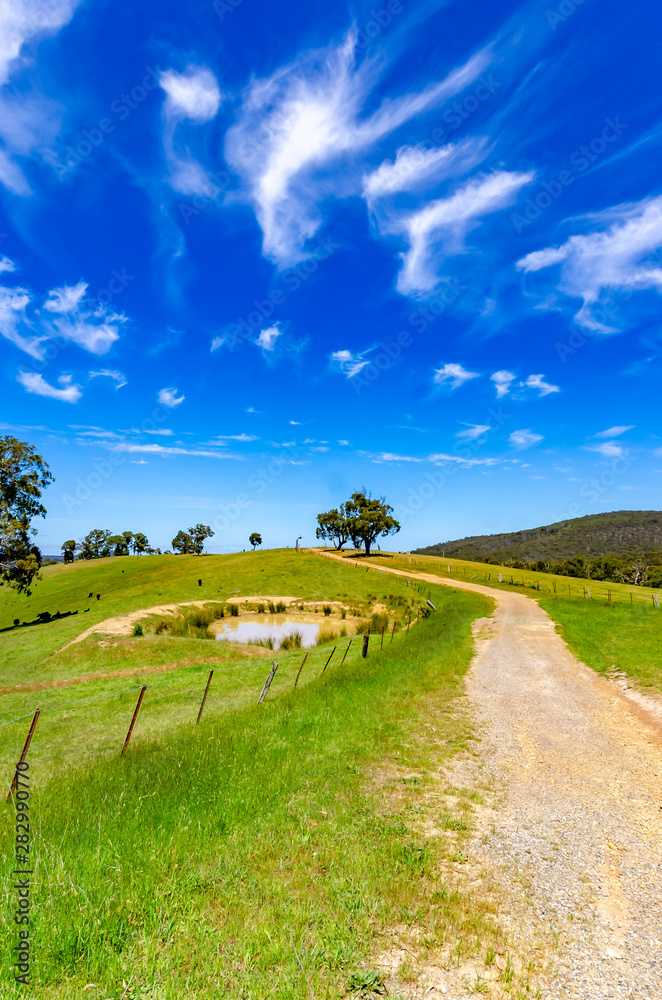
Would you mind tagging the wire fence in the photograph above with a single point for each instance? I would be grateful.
(68, 732)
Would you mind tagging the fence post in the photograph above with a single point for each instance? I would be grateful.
(267, 683)
(329, 660)
(303, 662)
(133, 720)
(12, 787)
(346, 652)
(366, 640)
(204, 697)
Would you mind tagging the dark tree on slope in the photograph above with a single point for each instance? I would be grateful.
(23, 475)
(255, 540)
(69, 550)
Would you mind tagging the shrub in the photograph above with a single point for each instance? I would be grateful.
(343, 614)
(343, 632)
(325, 635)
(327, 610)
(260, 609)
(268, 642)
(272, 608)
(281, 608)
(233, 609)
(200, 618)
(219, 612)
(161, 627)
(292, 641)
(138, 629)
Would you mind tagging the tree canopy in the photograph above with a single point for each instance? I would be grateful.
(193, 540)
(23, 475)
(362, 518)
(255, 540)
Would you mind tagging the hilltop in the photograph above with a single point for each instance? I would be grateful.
(632, 533)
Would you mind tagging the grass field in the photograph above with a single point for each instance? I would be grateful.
(257, 854)
(617, 630)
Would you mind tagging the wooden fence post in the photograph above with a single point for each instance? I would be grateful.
(133, 720)
(346, 652)
(204, 697)
(329, 659)
(267, 683)
(12, 787)
(366, 640)
(303, 663)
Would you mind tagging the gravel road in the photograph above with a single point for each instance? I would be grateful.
(577, 835)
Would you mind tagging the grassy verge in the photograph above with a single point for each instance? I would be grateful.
(618, 630)
(252, 856)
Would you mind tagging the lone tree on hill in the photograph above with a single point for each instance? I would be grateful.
(182, 543)
(362, 518)
(68, 550)
(255, 540)
(334, 525)
(23, 475)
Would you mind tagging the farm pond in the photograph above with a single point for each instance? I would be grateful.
(276, 627)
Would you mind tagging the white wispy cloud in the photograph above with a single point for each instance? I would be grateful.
(609, 258)
(169, 397)
(28, 121)
(194, 94)
(473, 431)
(6, 264)
(116, 376)
(222, 438)
(438, 229)
(503, 381)
(193, 97)
(537, 382)
(524, 439)
(416, 166)
(616, 431)
(608, 449)
(454, 375)
(37, 384)
(267, 339)
(92, 326)
(348, 362)
(66, 299)
(305, 116)
(158, 449)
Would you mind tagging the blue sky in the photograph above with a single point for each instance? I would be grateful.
(255, 257)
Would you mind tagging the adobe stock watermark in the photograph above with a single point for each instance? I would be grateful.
(463, 457)
(293, 278)
(580, 159)
(104, 470)
(420, 320)
(92, 138)
(223, 7)
(565, 10)
(256, 484)
(603, 312)
(592, 490)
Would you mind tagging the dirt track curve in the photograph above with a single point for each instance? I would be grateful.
(577, 838)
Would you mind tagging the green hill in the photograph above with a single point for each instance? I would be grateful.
(630, 533)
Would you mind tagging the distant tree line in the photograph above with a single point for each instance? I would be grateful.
(99, 543)
(617, 568)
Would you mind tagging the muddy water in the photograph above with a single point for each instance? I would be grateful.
(259, 627)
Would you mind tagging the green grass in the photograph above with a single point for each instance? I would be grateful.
(252, 856)
(619, 629)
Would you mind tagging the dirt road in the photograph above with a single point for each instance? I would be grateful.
(577, 838)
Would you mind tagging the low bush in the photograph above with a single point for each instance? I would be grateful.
(233, 609)
(292, 641)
